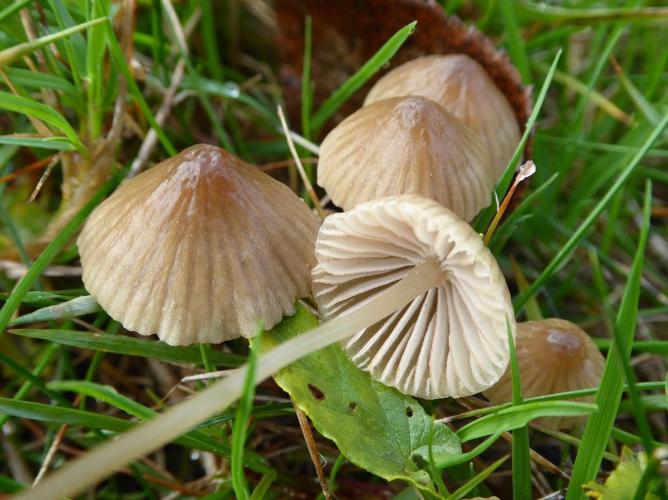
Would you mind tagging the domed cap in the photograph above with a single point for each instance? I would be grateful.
(462, 87)
(406, 145)
(449, 342)
(199, 249)
(553, 355)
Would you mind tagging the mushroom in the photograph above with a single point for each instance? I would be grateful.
(428, 247)
(553, 355)
(463, 87)
(449, 341)
(406, 145)
(200, 248)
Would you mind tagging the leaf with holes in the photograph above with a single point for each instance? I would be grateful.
(374, 426)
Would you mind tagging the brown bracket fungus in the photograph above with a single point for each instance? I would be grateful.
(462, 87)
(199, 248)
(406, 145)
(553, 355)
(450, 341)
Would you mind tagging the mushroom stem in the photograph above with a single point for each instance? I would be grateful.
(151, 435)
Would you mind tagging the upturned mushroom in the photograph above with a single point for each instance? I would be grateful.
(200, 248)
(406, 145)
(451, 340)
(553, 356)
(462, 87)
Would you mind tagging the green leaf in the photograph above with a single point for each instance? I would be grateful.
(55, 142)
(515, 417)
(41, 111)
(40, 299)
(608, 396)
(38, 81)
(374, 426)
(352, 84)
(79, 306)
(623, 481)
(129, 346)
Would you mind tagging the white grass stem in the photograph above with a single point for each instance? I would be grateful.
(103, 461)
(300, 167)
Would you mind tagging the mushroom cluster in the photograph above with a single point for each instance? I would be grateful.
(436, 126)
(204, 248)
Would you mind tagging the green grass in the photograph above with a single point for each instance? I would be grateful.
(589, 234)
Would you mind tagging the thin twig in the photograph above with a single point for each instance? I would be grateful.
(525, 171)
(300, 166)
(275, 165)
(208, 375)
(51, 453)
(43, 178)
(38, 165)
(313, 451)
(151, 139)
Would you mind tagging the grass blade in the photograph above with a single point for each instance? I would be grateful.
(521, 463)
(56, 143)
(50, 253)
(484, 219)
(23, 105)
(515, 417)
(70, 309)
(131, 346)
(240, 426)
(352, 84)
(79, 418)
(463, 490)
(579, 234)
(514, 39)
(12, 8)
(599, 426)
(11, 53)
(452, 460)
(121, 64)
(307, 86)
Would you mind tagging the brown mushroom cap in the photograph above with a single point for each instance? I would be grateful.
(406, 145)
(553, 355)
(462, 87)
(450, 341)
(199, 248)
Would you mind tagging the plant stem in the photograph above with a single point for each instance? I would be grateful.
(145, 438)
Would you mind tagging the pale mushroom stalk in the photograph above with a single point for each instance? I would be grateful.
(147, 437)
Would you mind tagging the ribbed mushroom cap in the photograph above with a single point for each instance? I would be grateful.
(462, 87)
(199, 249)
(448, 342)
(553, 356)
(406, 145)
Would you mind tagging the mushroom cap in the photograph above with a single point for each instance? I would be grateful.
(553, 355)
(199, 248)
(449, 342)
(463, 87)
(406, 145)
